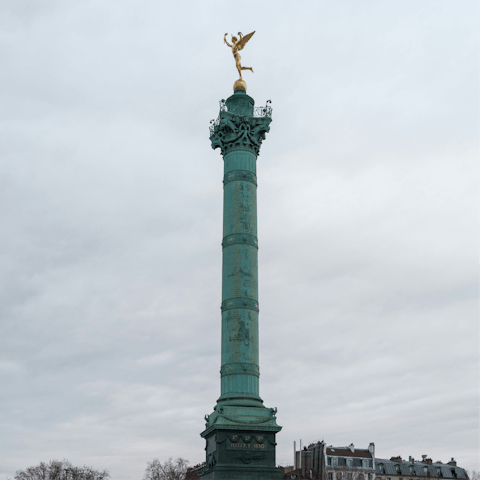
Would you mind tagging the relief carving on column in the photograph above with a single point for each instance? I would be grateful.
(240, 239)
(239, 369)
(242, 302)
(243, 175)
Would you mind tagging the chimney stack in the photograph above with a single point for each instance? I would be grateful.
(295, 454)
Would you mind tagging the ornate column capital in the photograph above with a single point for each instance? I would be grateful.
(233, 131)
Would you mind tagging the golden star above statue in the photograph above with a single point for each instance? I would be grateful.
(236, 46)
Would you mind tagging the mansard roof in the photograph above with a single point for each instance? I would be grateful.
(417, 469)
(346, 452)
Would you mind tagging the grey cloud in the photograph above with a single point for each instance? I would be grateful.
(112, 211)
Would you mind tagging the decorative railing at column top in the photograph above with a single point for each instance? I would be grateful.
(258, 112)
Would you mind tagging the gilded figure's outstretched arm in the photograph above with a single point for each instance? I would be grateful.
(225, 40)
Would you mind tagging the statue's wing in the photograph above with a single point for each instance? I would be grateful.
(244, 41)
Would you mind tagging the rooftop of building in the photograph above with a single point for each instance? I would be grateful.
(349, 452)
(423, 468)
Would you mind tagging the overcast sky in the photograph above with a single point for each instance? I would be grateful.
(111, 214)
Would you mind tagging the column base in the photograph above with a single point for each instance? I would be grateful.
(243, 473)
(241, 453)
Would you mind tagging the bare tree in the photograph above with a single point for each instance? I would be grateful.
(473, 475)
(60, 470)
(170, 470)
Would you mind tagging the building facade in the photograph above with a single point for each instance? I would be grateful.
(350, 463)
(321, 462)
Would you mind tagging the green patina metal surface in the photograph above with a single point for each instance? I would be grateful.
(240, 433)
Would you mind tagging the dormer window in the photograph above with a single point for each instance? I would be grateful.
(349, 462)
(381, 468)
(335, 462)
(365, 463)
(397, 469)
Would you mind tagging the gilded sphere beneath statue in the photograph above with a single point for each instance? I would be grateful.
(240, 83)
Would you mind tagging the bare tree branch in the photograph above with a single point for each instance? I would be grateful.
(60, 470)
(170, 470)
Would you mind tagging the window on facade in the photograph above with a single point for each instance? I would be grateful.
(330, 476)
(365, 463)
(339, 476)
(334, 462)
(349, 462)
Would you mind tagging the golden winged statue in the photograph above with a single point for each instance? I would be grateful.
(237, 45)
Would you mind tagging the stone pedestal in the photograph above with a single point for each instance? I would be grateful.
(240, 433)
